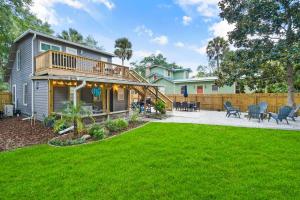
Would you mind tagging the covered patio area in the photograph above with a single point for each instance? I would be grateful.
(219, 118)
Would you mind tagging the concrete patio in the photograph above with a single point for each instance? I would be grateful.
(218, 118)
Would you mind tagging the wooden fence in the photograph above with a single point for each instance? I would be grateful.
(5, 98)
(216, 101)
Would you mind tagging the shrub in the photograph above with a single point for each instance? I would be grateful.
(160, 107)
(49, 121)
(57, 142)
(116, 125)
(134, 118)
(59, 125)
(97, 131)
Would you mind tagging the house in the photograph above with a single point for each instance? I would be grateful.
(175, 80)
(45, 72)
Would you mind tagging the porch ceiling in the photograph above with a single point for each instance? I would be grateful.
(93, 79)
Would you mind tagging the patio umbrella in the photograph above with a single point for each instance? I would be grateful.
(185, 93)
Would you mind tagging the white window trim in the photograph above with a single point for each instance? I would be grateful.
(25, 84)
(214, 90)
(41, 42)
(18, 56)
(14, 88)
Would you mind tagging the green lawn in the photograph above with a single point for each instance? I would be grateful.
(160, 161)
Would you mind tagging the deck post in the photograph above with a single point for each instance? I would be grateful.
(145, 96)
(103, 93)
(108, 101)
(128, 98)
(156, 96)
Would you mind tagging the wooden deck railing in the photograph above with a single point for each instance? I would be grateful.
(73, 63)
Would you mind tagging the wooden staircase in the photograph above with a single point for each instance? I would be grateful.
(151, 92)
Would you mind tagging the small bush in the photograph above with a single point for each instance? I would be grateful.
(97, 131)
(49, 121)
(134, 118)
(116, 125)
(59, 125)
(160, 107)
(57, 142)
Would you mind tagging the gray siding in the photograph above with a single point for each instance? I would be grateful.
(80, 51)
(41, 98)
(120, 105)
(18, 78)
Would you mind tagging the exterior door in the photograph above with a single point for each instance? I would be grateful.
(200, 89)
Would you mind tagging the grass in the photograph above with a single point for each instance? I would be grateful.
(160, 161)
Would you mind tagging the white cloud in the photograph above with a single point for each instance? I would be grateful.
(44, 9)
(110, 5)
(221, 29)
(206, 8)
(141, 30)
(200, 50)
(186, 20)
(161, 40)
(179, 44)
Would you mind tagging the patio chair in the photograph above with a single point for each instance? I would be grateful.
(254, 112)
(197, 106)
(178, 105)
(294, 113)
(283, 113)
(263, 109)
(230, 110)
(184, 106)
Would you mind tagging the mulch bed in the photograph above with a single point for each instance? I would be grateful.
(14, 133)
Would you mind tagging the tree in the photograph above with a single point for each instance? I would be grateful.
(215, 51)
(91, 42)
(151, 60)
(267, 31)
(71, 35)
(123, 49)
(15, 18)
(203, 71)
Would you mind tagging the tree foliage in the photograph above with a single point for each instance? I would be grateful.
(74, 36)
(151, 60)
(215, 50)
(266, 33)
(123, 49)
(203, 71)
(15, 18)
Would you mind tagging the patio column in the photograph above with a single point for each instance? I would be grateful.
(103, 99)
(108, 100)
(128, 98)
(145, 96)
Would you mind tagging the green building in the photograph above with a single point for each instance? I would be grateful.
(174, 81)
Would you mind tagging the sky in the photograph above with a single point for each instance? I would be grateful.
(179, 29)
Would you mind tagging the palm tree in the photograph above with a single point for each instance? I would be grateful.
(123, 49)
(71, 35)
(216, 49)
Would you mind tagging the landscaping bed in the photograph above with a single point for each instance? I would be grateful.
(15, 132)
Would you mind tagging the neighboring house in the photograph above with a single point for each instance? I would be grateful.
(45, 72)
(175, 80)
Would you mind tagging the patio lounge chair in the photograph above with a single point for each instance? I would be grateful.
(184, 106)
(254, 112)
(283, 113)
(197, 106)
(263, 110)
(294, 113)
(177, 105)
(230, 110)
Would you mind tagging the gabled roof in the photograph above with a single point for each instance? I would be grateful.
(167, 79)
(202, 79)
(61, 40)
(172, 69)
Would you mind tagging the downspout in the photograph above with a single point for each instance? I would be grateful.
(32, 74)
(83, 84)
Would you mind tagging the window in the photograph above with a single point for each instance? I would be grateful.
(14, 95)
(182, 89)
(169, 73)
(214, 88)
(25, 94)
(121, 94)
(18, 60)
(71, 50)
(46, 46)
